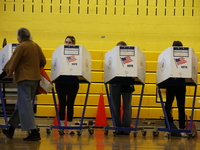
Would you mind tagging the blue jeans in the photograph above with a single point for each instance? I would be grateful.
(24, 113)
(116, 92)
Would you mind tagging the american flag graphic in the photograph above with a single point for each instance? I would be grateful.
(71, 58)
(180, 61)
(126, 59)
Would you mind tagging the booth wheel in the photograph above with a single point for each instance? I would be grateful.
(61, 131)
(189, 135)
(192, 134)
(144, 132)
(91, 131)
(48, 130)
(168, 135)
(105, 131)
(135, 134)
(155, 133)
(79, 132)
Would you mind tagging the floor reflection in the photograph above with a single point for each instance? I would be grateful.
(97, 141)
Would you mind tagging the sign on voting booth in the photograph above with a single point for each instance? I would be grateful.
(124, 61)
(71, 61)
(5, 53)
(177, 62)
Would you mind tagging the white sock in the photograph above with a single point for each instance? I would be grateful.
(69, 123)
(62, 122)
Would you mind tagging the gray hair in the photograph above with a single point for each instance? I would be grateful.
(24, 34)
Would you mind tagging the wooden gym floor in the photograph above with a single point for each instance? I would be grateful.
(98, 141)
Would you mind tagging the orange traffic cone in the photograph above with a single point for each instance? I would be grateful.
(122, 113)
(122, 110)
(55, 122)
(101, 119)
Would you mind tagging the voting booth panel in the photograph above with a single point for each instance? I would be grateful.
(5, 53)
(71, 60)
(177, 62)
(124, 61)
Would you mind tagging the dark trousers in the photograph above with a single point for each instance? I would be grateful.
(66, 95)
(179, 92)
(116, 93)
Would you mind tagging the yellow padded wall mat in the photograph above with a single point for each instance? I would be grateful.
(152, 25)
(100, 24)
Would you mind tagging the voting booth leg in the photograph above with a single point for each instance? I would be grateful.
(85, 103)
(163, 108)
(78, 128)
(3, 109)
(193, 103)
(110, 103)
(113, 119)
(168, 129)
(139, 106)
(56, 108)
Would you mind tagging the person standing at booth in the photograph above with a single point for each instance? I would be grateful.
(178, 89)
(124, 90)
(24, 64)
(67, 94)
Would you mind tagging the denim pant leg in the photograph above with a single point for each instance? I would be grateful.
(24, 110)
(115, 91)
(14, 119)
(127, 99)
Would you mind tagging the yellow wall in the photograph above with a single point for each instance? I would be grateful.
(149, 24)
(152, 25)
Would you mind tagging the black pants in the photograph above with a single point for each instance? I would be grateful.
(66, 95)
(179, 92)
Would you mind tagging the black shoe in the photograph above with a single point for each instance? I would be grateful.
(70, 132)
(8, 133)
(33, 136)
(126, 132)
(119, 132)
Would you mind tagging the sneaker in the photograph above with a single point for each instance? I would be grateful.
(61, 131)
(8, 133)
(70, 132)
(183, 134)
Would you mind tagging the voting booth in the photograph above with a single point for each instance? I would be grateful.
(176, 64)
(70, 61)
(124, 62)
(71, 64)
(124, 65)
(5, 54)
